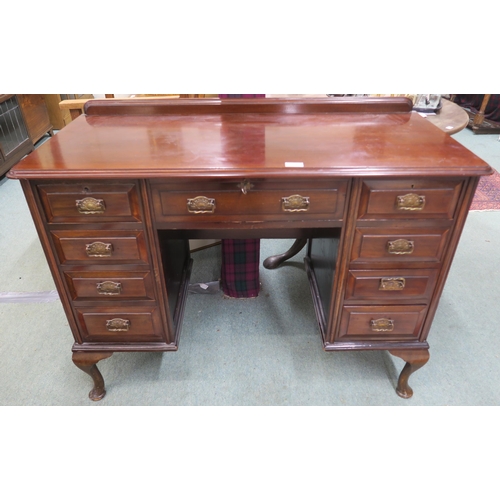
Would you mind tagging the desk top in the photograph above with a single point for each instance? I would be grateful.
(250, 138)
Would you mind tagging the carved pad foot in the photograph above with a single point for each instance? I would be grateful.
(415, 359)
(276, 260)
(87, 362)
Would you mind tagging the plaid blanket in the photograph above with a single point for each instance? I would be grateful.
(240, 268)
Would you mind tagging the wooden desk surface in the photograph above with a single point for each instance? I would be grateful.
(450, 119)
(250, 144)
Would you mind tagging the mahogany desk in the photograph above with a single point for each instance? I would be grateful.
(381, 195)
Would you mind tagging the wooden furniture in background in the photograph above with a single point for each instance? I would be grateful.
(451, 118)
(479, 118)
(478, 123)
(15, 141)
(117, 196)
(60, 117)
(73, 106)
(481, 125)
(36, 116)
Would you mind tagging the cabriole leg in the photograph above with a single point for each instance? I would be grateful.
(275, 260)
(415, 359)
(87, 361)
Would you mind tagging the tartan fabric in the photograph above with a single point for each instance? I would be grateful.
(240, 268)
(240, 258)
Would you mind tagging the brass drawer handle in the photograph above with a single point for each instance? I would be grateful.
(90, 206)
(117, 325)
(99, 249)
(109, 288)
(392, 284)
(411, 201)
(295, 203)
(382, 325)
(400, 247)
(201, 205)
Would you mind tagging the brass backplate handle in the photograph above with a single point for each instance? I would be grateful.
(392, 284)
(411, 201)
(99, 249)
(382, 325)
(90, 206)
(295, 203)
(109, 288)
(400, 247)
(201, 205)
(118, 325)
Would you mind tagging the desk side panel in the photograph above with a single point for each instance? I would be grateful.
(30, 193)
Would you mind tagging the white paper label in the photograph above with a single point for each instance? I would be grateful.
(294, 164)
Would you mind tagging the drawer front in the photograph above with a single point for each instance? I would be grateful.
(110, 285)
(384, 245)
(409, 199)
(90, 202)
(263, 201)
(382, 322)
(100, 247)
(391, 285)
(134, 324)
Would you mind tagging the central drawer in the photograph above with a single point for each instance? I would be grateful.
(248, 201)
